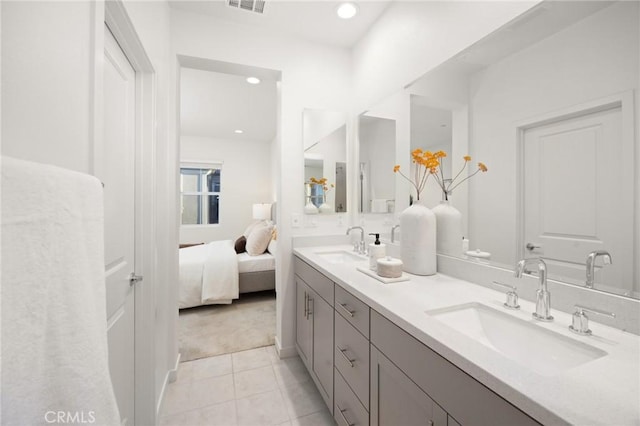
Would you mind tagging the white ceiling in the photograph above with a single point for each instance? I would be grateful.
(215, 98)
(216, 104)
(313, 20)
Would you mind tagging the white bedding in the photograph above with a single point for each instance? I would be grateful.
(262, 262)
(208, 274)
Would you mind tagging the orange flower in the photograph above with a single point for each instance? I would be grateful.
(322, 182)
(433, 166)
(426, 162)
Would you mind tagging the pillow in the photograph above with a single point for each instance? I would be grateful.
(258, 240)
(241, 244)
(251, 227)
(273, 246)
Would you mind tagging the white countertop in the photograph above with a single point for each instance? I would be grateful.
(605, 391)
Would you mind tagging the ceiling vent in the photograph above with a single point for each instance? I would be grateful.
(250, 5)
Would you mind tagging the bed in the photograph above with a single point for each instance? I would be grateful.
(214, 273)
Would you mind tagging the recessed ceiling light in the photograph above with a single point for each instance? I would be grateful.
(238, 131)
(347, 10)
(253, 80)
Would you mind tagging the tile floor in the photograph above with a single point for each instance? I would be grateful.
(252, 388)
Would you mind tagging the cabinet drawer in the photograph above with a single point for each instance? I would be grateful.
(347, 410)
(463, 397)
(352, 358)
(353, 310)
(314, 279)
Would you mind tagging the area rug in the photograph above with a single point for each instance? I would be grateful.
(247, 323)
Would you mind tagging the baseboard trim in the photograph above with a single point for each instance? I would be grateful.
(173, 374)
(287, 352)
(170, 377)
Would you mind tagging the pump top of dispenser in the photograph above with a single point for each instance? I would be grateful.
(377, 241)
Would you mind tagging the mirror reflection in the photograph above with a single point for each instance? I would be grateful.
(547, 104)
(325, 161)
(376, 185)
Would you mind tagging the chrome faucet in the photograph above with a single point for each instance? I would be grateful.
(360, 246)
(580, 320)
(393, 232)
(591, 263)
(543, 297)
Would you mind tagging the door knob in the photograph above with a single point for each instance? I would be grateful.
(531, 246)
(133, 278)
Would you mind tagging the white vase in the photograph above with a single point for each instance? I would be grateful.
(449, 229)
(309, 208)
(325, 208)
(418, 243)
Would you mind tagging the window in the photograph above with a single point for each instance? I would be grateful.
(200, 194)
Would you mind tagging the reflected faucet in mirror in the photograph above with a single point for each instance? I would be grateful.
(591, 263)
(393, 232)
(543, 297)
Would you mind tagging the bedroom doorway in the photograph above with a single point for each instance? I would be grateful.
(228, 121)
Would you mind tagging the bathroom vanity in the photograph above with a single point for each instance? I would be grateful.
(412, 353)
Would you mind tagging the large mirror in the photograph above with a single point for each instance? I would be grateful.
(376, 183)
(325, 161)
(547, 103)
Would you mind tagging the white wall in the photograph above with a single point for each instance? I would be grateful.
(46, 82)
(313, 76)
(411, 38)
(245, 180)
(50, 69)
(594, 58)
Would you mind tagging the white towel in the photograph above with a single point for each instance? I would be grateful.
(54, 331)
(378, 206)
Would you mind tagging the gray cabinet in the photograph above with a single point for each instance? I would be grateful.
(353, 310)
(348, 411)
(465, 399)
(314, 326)
(370, 371)
(352, 358)
(303, 324)
(322, 315)
(396, 400)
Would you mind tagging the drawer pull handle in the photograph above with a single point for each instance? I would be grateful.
(344, 417)
(342, 351)
(306, 305)
(344, 306)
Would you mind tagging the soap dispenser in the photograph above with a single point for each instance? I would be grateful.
(376, 251)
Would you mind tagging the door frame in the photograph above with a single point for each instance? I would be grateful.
(113, 14)
(624, 101)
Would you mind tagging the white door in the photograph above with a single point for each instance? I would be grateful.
(577, 198)
(115, 166)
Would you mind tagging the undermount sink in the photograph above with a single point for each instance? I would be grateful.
(543, 351)
(340, 256)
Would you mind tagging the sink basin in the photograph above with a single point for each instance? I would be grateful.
(543, 351)
(341, 256)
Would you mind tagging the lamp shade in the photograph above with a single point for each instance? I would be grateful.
(262, 211)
